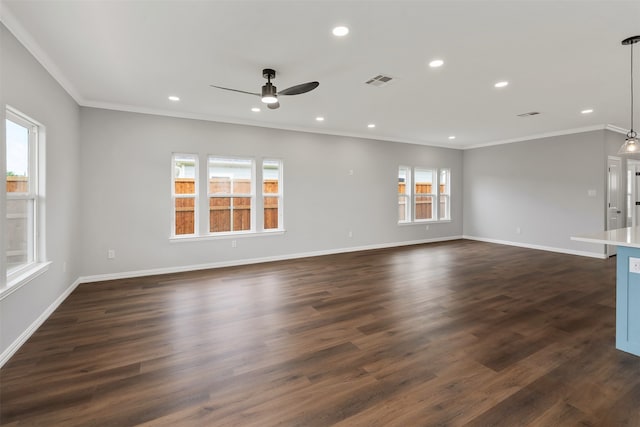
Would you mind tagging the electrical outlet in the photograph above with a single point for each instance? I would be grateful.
(426, 227)
(111, 254)
(518, 230)
(634, 265)
(350, 234)
(234, 244)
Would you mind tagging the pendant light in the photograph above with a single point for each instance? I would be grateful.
(631, 144)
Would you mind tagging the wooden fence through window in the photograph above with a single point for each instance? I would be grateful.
(220, 208)
(423, 204)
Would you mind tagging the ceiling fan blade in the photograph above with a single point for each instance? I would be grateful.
(235, 90)
(298, 89)
(273, 106)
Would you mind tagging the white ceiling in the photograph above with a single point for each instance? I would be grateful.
(560, 57)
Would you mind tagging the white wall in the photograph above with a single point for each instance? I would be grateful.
(126, 170)
(540, 186)
(27, 87)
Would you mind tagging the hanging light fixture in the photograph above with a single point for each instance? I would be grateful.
(631, 144)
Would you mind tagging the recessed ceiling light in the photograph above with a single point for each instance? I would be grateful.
(320, 119)
(587, 111)
(340, 31)
(371, 125)
(452, 137)
(255, 109)
(501, 84)
(436, 63)
(174, 98)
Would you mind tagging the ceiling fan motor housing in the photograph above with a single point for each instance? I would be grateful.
(268, 73)
(268, 90)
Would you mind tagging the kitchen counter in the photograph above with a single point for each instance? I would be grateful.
(627, 241)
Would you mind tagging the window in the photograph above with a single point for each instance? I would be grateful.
(272, 194)
(444, 209)
(404, 194)
(184, 192)
(234, 198)
(423, 194)
(24, 194)
(231, 195)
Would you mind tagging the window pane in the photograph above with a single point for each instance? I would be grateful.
(403, 209)
(424, 181)
(424, 207)
(271, 185)
(17, 158)
(403, 174)
(271, 205)
(444, 208)
(241, 213)
(20, 233)
(219, 214)
(230, 176)
(185, 215)
(184, 174)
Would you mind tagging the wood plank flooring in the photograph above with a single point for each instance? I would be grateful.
(447, 334)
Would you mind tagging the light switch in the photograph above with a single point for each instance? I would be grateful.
(634, 265)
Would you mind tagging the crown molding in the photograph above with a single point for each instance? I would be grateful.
(617, 129)
(23, 36)
(539, 136)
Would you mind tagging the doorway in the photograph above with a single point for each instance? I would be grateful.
(615, 217)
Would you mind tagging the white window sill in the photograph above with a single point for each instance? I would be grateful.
(220, 236)
(23, 278)
(423, 222)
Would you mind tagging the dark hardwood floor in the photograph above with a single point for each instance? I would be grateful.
(456, 333)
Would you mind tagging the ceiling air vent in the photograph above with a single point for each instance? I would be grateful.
(532, 113)
(379, 80)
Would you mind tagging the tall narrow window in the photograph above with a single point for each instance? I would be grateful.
(424, 193)
(404, 194)
(272, 194)
(185, 194)
(231, 195)
(23, 194)
(444, 209)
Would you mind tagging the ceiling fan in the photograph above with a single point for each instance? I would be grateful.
(269, 94)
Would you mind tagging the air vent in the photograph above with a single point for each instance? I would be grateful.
(532, 113)
(379, 80)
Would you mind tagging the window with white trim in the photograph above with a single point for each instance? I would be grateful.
(424, 194)
(184, 194)
(444, 195)
(404, 194)
(231, 192)
(272, 194)
(24, 195)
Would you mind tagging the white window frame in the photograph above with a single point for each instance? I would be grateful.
(407, 196)
(35, 196)
(194, 195)
(279, 195)
(435, 195)
(231, 195)
(446, 195)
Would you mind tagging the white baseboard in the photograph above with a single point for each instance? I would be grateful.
(538, 247)
(24, 336)
(234, 263)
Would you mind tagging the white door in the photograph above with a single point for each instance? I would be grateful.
(615, 218)
(632, 199)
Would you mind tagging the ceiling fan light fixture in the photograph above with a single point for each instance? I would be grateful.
(269, 94)
(630, 145)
